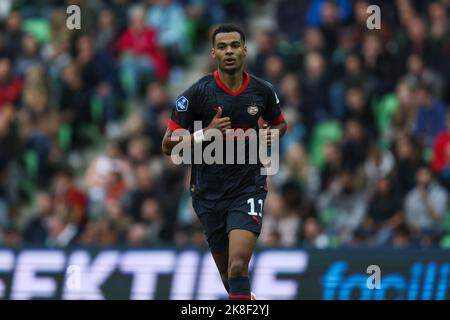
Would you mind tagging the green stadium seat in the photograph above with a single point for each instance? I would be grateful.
(97, 110)
(39, 28)
(427, 154)
(191, 31)
(447, 221)
(323, 133)
(384, 110)
(445, 242)
(327, 216)
(31, 160)
(65, 137)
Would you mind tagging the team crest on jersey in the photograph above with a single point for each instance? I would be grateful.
(182, 104)
(252, 109)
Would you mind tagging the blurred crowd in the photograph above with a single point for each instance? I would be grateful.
(365, 161)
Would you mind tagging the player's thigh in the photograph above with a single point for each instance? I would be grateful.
(246, 212)
(214, 225)
(241, 244)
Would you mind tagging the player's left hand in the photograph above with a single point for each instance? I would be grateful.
(268, 135)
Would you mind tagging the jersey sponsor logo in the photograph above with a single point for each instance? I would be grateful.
(182, 104)
(252, 109)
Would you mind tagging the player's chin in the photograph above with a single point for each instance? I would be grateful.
(229, 68)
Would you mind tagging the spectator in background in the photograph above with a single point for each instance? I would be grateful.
(408, 158)
(425, 208)
(106, 32)
(295, 131)
(169, 19)
(312, 236)
(36, 91)
(439, 33)
(99, 172)
(379, 63)
(402, 238)
(30, 55)
(329, 15)
(315, 86)
(298, 169)
(384, 213)
(11, 153)
(330, 22)
(14, 33)
(266, 46)
(357, 107)
(405, 114)
(141, 60)
(332, 165)
(115, 188)
(70, 202)
(152, 215)
(418, 72)
(346, 45)
(417, 38)
(74, 103)
(274, 68)
(355, 144)
(156, 102)
(319, 10)
(346, 200)
(290, 15)
(283, 222)
(56, 53)
(290, 91)
(138, 235)
(441, 155)
(36, 231)
(62, 232)
(430, 117)
(138, 152)
(98, 72)
(135, 197)
(106, 233)
(315, 41)
(378, 164)
(10, 85)
(353, 76)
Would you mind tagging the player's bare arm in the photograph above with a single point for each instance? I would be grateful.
(217, 123)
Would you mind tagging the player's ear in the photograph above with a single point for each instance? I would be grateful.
(245, 50)
(213, 53)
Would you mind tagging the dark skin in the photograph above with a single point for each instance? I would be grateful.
(230, 51)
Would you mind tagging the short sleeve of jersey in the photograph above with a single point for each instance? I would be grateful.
(182, 116)
(272, 113)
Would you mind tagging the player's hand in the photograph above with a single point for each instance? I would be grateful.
(219, 123)
(268, 135)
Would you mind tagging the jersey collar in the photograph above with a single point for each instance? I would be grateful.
(228, 90)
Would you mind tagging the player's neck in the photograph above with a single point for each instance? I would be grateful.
(233, 80)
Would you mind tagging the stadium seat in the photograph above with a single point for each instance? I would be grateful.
(447, 221)
(39, 28)
(31, 160)
(323, 132)
(31, 164)
(65, 137)
(445, 242)
(96, 110)
(384, 109)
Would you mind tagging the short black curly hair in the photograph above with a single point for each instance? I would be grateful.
(226, 28)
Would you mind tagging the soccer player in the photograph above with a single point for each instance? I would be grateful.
(228, 198)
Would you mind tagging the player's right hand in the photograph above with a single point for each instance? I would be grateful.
(219, 123)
